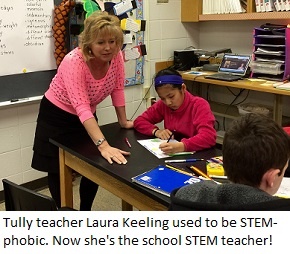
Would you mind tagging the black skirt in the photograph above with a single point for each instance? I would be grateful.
(52, 122)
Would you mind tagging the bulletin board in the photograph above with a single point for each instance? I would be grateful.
(133, 67)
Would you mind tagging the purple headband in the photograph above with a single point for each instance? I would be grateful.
(168, 79)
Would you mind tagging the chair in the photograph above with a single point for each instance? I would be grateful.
(19, 198)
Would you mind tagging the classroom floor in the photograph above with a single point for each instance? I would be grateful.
(104, 201)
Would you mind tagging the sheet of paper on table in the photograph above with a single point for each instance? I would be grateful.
(284, 190)
(153, 144)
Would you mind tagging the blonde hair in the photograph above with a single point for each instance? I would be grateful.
(99, 23)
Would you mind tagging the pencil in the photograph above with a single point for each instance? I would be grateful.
(186, 160)
(199, 172)
(170, 137)
(127, 142)
(178, 170)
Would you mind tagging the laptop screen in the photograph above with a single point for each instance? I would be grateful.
(235, 64)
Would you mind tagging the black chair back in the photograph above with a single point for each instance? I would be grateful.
(19, 198)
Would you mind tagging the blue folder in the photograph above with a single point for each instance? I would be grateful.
(164, 180)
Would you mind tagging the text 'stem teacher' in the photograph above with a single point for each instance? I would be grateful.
(85, 77)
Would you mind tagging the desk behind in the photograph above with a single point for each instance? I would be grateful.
(256, 85)
(85, 154)
(247, 84)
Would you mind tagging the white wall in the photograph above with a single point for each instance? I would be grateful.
(164, 34)
(17, 127)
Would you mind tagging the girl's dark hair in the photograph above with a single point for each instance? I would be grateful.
(167, 71)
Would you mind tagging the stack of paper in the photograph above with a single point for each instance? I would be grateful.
(282, 85)
(222, 6)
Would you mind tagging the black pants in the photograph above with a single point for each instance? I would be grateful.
(88, 191)
(52, 122)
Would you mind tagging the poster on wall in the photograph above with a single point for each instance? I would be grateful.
(26, 41)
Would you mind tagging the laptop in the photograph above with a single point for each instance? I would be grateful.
(232, 67)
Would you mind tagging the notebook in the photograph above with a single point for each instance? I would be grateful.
(164, 180)
(232, 67)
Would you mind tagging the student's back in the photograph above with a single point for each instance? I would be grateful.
(210, 196)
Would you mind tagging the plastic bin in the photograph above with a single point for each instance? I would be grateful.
(266, 67)
(254, 108)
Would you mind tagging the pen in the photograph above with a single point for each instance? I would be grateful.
(216, 160)
(170, 137)
(128, 143)
(199, 172)
(218, 177)
(187, 160)
(181, 153)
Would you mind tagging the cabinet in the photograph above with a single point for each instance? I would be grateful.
(271, 53)
(191, 11)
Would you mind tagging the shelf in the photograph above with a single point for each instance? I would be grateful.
(191, 11)
(220, 137)
(224, 110)
(246, 16)
(278, 50)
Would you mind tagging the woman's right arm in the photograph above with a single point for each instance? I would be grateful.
(108, 152)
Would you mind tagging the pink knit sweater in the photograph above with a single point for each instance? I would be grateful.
(75, 90)
(193, 121)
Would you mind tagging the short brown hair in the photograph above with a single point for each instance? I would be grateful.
(253, 145)
(97, 24)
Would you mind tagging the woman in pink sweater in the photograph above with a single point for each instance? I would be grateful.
(85, 77)
(187, 118)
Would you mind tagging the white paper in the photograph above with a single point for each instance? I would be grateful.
(123, 7)
(128, 38)
(153, 144)
(131, 25)
(284, 190)
(132, 53)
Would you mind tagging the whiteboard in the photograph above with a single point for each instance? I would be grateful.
(26, 41)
